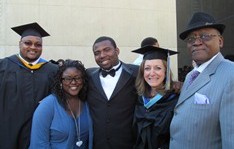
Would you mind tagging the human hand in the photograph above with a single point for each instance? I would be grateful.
(177, 85)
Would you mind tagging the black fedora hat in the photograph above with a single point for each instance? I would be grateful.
(201, 20)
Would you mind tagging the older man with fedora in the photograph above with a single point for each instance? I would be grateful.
(203, 117)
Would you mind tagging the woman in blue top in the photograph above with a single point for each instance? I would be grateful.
(62, 120)
(157, 99)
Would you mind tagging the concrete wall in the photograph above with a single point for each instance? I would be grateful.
(74, 25)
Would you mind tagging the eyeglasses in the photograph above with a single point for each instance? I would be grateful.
(68, 80)
(29, 44)
(202, 37)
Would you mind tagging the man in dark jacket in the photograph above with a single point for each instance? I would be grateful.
(111, 97)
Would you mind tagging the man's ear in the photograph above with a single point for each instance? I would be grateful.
(117, 50)
(221, 39)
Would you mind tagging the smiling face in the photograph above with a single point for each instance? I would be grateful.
(105, 54)
(72, 81)
(203, 50)
(154, 73)
(30, 48)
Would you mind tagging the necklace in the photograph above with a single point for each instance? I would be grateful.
(79, 142)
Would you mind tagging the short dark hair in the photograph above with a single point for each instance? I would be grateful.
(149, 41)
(56, 88)
(103, 38)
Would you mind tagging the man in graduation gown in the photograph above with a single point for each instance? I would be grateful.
(25, 79)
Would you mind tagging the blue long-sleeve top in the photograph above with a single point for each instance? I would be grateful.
(54, 128)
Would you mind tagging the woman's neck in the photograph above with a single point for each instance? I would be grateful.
(75, 105)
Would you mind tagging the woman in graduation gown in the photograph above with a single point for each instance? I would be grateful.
(154, 109)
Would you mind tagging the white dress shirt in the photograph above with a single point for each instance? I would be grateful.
(109, 82)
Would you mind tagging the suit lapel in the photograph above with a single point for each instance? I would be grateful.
(200, 81)
(97, 82)
(124, 77)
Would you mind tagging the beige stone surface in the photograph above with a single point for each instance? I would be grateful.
(74, 25)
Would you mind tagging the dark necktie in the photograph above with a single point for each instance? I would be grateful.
(111, 72)
(193, 76)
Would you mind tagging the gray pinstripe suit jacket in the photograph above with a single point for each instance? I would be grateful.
(206, 126)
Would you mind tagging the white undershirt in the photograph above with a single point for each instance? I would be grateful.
(138, 60)
(109, 82)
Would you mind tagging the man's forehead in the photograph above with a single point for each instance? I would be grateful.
(31, 37)
(103, 44)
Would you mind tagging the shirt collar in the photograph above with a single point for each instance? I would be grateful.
(204, 65)
(116, 66)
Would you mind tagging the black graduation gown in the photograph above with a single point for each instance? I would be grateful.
(152, 125)
(20, 91)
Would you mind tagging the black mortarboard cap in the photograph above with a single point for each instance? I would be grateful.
(32, 29)
(152, 52)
